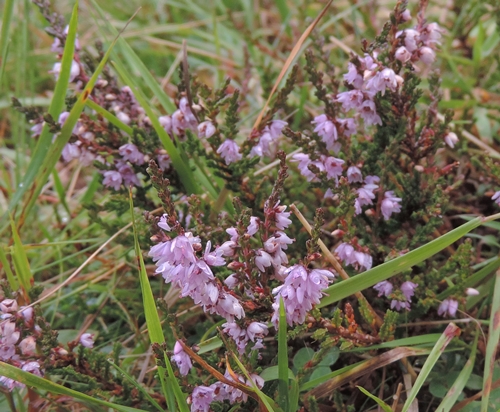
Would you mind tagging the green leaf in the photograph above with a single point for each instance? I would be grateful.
(282, 358)
(302, 356)
(319, 372)
(386, 270)
(330, 357)
(477, 48)
(271, 374)
(379, 401)
(170, 386)
(34, 381)
(437, 350)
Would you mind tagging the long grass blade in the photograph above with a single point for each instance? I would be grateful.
(459, 384)
(21, 263)
(450, 332)
(8, 9)
(491, 346)
(39, 157)
(371, 277)
(379, 401)
(170, 386)
(282, 358)
(34, 381)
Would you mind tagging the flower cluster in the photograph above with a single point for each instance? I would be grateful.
(418, 44)
(268, 140)
(18, 338)
(400, 299)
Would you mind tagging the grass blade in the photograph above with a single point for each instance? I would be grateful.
(39, 157)
(450, 332)
(379, 401)
(34, 381)
(136, 384)
(491, 346)
(110, 117)
(14, 285)
(384, 271)
(170, 386)
(20, 260)
(282, 359)
(8, 9)
(459, 384)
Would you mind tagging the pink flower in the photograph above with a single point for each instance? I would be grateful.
(326, 130)
(354, 175)
(206, 129)
(112, 179)
(407, 288)
(333, 167)
(348, 126)
(8, 306)
(369, 113)
(87, 340)
(427, 55)
(382, 80)
(496, 197)
(352, 99)
(229, 151)
(275, 128)
(402, 54)
(181, 359)
(448, 306)
(431, 33)
(28, 345)
(383, 288)
(128, 175)
(411, 38)
(471, 292)
(253, 227)
(353, 76)
(131, 153)
(346, 253)
(390, 204)
(163, 223)
(201, 398)
(451, 139)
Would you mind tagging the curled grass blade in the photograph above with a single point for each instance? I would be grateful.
(386, 270)
(170, 386)
(459, 384)
(450, 332)
(491, 346)
(34, 381)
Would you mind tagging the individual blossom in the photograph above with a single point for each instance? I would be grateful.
(411, 38)
(352, 99)
(281, 217)
(181, 359)
(229, 151)
(275, 128)
(28, 345)
(471, 292)
(348, 128)
(304, 162)
(183, 118)
(253, 227)
(206, 129)
(451, 139)
(496, 197)
(354, 174)
(87, 340)
(201, 398)
(426, 55)
(385, 79)
(353, 76)
(362, 260)
(369, 113)
(402, 54)
(431, 33)
(73, 74)
(333, 167)
(390, 204)
(128, 175)
(131, 153)
(384, 288)
(448, 306)
(345, 252)
(164, 161)
(113, 179)
(408, 289)
(326, 130)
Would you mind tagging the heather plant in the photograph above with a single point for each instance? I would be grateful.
(281, 223)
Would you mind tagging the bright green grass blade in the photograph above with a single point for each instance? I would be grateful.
(57, 147)
(459, 384)
(183, 170)
(13, 283)
(282, 358)
(136, 63)
(21, 263)
(447, 336)
(8, 9)
(136, 384)
(266, 400)
(318, 381)
(379, 401)
(491, 346)
(110, 117)
(384, 271)
(34, 381)
(170, 386)
(39, 157)
(430, 338)
(58, 186)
